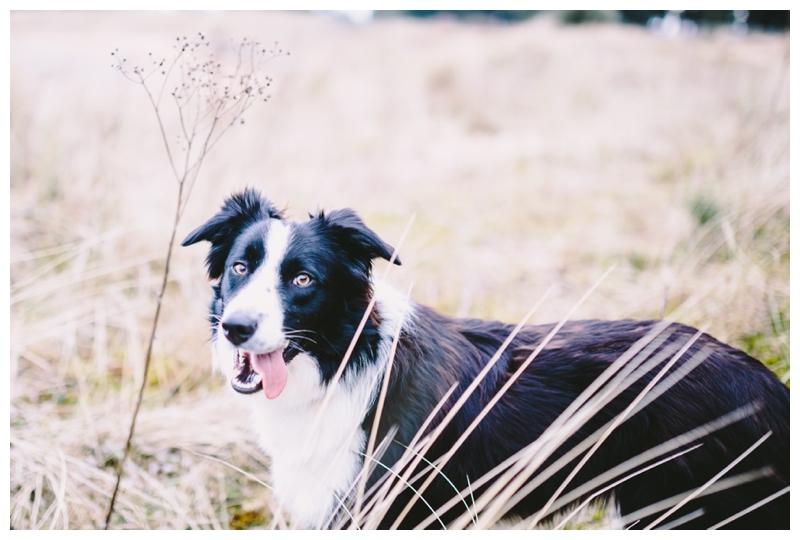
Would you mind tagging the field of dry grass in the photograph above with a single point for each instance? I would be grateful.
(532, 156)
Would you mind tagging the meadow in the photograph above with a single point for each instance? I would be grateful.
(527, 157)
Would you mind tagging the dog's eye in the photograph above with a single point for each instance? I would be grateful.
(302, 280)
(239, 268)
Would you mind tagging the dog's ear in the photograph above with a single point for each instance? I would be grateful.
(355, 237)
(237, 212)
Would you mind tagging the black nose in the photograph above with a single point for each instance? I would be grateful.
(239, 327)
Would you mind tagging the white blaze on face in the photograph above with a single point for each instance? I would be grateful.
(260, 296)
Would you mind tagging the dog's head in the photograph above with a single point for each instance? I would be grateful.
(285, 288)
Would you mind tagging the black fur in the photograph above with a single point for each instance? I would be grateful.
(436, 351)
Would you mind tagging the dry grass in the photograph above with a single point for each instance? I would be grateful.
(533, 156)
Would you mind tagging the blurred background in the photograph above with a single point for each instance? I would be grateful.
(534, 150)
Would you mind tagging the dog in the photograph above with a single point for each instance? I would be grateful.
(305, 334)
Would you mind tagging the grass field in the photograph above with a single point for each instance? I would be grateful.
(531, 156)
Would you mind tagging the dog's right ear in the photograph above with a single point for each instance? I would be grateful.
(237, 212)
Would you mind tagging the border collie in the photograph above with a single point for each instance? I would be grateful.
(289, 297)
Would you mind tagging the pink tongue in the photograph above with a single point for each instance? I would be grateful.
(273, 372)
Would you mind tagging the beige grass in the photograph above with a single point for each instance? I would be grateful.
(533, 156)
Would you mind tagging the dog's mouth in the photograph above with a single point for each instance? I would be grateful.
(253, 372)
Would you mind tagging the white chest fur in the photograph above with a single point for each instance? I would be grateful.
(315, 459)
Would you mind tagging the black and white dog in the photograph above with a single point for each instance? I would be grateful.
(289, 297)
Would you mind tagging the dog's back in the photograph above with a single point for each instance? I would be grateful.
(720, 400)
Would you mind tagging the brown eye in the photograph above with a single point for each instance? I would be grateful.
(302, 280)
(239, 268)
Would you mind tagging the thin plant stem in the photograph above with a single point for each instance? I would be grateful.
(147, 358)
(185, 180)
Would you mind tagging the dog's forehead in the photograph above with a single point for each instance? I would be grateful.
(270, 239)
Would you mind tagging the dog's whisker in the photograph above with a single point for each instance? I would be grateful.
(305, 338)
(298, 330)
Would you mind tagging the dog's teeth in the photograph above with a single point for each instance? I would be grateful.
(245, 379)
(252, 382)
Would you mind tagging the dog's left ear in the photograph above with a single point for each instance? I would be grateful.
(355, 237)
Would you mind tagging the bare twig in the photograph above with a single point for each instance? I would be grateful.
(202, 85)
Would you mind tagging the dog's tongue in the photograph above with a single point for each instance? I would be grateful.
(273, 372)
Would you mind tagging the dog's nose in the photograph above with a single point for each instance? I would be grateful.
(239, 327)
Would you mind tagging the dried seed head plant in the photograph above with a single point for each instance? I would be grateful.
(210, 90)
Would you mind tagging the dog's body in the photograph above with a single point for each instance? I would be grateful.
(290, 299)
